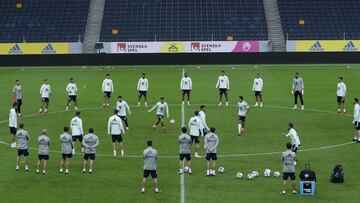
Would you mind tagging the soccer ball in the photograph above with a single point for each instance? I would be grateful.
(186, 169)
(267, 172)
(255, 173)
(250, 176)
(172, 122)
(221, 169)
(276, 174)
(239, 175)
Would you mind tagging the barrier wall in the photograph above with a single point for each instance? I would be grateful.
(40, 48)
(323, 45)
(187, 47)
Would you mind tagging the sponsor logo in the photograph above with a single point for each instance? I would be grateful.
(15, 50)
(350, 47)
(48, 49)
(121, 47)
(131, 47)
(195, 46)
(173, 48)
(316, 47)
(205, 46)
(246, 46)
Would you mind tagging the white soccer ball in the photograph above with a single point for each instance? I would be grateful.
(239, 175)
(267, 172)
(221, 169)
(255, 173)
(276, 174)
(250, 176)
(186, 169)
(172, 121)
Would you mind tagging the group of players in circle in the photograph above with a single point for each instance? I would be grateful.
(197, 124)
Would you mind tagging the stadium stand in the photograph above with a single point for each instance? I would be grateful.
(183, 20)
(320, 19)
(43, 20)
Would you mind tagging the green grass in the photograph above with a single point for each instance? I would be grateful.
(118, 179)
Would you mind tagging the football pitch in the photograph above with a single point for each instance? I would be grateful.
(325, 135)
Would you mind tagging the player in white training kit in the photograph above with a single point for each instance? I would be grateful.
(356, 120)
(194, 126)
(107, 88)
(257, 88)
(161, 107)
(116, 130)
(243, 110)
(186, 87)
(295, 140)
(340, 94)
(143, 88)
(44, 143)
(45, 91)
(76, 130)
(122, 106)
(223, 85)
(72, 89)
(203, 125)
(13, 124)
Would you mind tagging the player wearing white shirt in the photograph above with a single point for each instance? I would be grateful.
(203, 126)
(223, 85)
(186, 87)
(107, 88)
(340, 93)
(142, 88)
(13, 124)
(356, 120)
(295, 140)
(76, 130)
(45, 91)
(116, 130)
(243, 110)
(257, 88)
(194, 126)
(161, 108)
(71, 89)
(122, 106)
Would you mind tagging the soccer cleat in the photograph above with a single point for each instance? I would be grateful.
(114, 153)
(261, 105)
(73, 151)
(188, 103)
(127, 129)
(67, 108)
(182, 102)
(283, 192)
(122, 153)
(207, 173)
(83, 171)
(45, 111)
(67, 171)
(355, 139)
(90, 171)
(157, 190)
(103, 105)
(227, 104)
(142, 190)
(20, 115)
(181, 171)
(107, 105)
(295, 107)
(294, 192)
(302, 108)
(219, 104)
(190, 171)
(27, 168)
(13, 145)
(37, 171)
(61, 170)
(358, 141)
(43, 172)
(197, 155)
(256, 104)
(17, 168)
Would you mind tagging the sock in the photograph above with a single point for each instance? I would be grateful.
(40, 110)
(344, 110)
(45, 110)
(339, 110)
(256, 103)
(239, 127)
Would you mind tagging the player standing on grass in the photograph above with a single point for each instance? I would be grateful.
(340, 93)
(289, 160)
(90, 142)
(224, 86)
(211, 143)
(22, 137)
(17, 96)
(66, 150)
(243, 109)
(107, 89)
(298, 90)
(356, 120)
(161, 108)
(143, 87)
(76, 130)
(116, 130)
(44, 143)
(45, 91)
(122, 106)
(150, 159)
(13, 124)
(186, 87)
(72, 89)
(203, 126)
(295, 140)
(185, 153)
(194, 126)
(257, 89)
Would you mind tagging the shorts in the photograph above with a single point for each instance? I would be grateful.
(142, 93)
(186, 156)
(12, 130)
(43, 157)
(45, 99)
(203, 132)
(160, 116)
(89, 156)
(258, 93)
(186, 92)
(124, 118)
(294, 148)
(195, 138)
(116, 138)
(287, 175)
(211, 156)
(107, 94)
(340, 99)
(24, 152)
(148, 172)
(242, 118)
(72, 98)
(19, 101)
(223, 91)
(357, 125)
(77, 137)
(65, 156)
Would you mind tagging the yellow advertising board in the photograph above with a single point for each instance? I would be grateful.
(327, 45)
(34, 48)
(173, 47)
